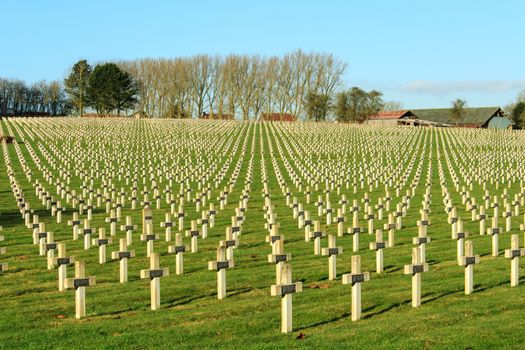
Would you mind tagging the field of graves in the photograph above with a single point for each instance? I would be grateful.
(272, 210)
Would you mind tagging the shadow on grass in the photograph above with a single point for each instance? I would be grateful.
(317, 324)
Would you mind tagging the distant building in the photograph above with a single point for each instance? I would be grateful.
(390, 117)
(278, 117)
(484, 117)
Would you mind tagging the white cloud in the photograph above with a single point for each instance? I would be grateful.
(441, 88)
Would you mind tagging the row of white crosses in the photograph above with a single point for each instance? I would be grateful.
(45, 239)
(415, 270)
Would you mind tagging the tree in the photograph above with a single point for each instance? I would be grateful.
(458, 110)
(341, 106)
(76, 84)
(390, 106)
(110, 89)
(317, 106)
(517, 112)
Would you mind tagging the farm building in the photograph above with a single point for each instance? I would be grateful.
(390, 117)
(278, 117)
(484, 117)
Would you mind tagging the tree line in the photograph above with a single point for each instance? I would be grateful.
(305, 85)
(45, 98)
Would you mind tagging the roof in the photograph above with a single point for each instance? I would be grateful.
(471, 115)
(391, 114)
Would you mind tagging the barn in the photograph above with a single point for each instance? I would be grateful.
(390, 117)
(482, 117)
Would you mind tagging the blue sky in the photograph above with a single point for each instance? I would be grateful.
(422, 53)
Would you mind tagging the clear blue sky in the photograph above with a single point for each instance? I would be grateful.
(423, 53)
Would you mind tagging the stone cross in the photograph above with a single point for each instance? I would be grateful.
(390, 227)
(154, 273)
(468, 261)
(220, 265)
(147, 219)
(75, 222)
(102, 242)
(149, 238)
(59, 209)
(340, 220)
(3, 266)
(112, 220)
(494, 232)
(481, 217)
(285, 289)
(370, 217)
(204, 222)
(129, 227)
(379, 245)
(50, 247)
(178, 249)
(507, 214)
(79, 284)
(328, 212)
(194, 234)
(459, 236)
(380, 207)
(212, 212)
(87, 231)
(167, 224)
(332, 251)
(514, 254)
(230, 243)
(317, 234)
(62, 261)
(355, 230)
(422, 239)
(416, 269)
(307, 226)
(123, 255)
(42, 237)
(278, 257)
(355, 279)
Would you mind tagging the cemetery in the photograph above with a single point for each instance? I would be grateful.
(143, 233)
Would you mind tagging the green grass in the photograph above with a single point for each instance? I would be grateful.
(34, 314)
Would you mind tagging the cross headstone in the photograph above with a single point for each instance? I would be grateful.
(481, 217)
(459, 236)
(355, 230)
(129, 227)
(230, 243)
(332, 251)
(194, 234)
(102, 242)
(147, 219)
(154, 273)
(74, 222)
(416, 269)
(62, 261)
(494, 232)
(317, 234)
(379, 246)
(112, 220)
(220, 265)
(167, 224)
(123, 254)
(390, 227)
(50, 247)
(79, 284)
(149, 238)
(468, 260)
(285, 289)
(178, 249)
(278, 257)
(514, 253)
(87, 231)
(355, 279)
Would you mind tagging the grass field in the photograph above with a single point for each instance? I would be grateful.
(34, 314)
